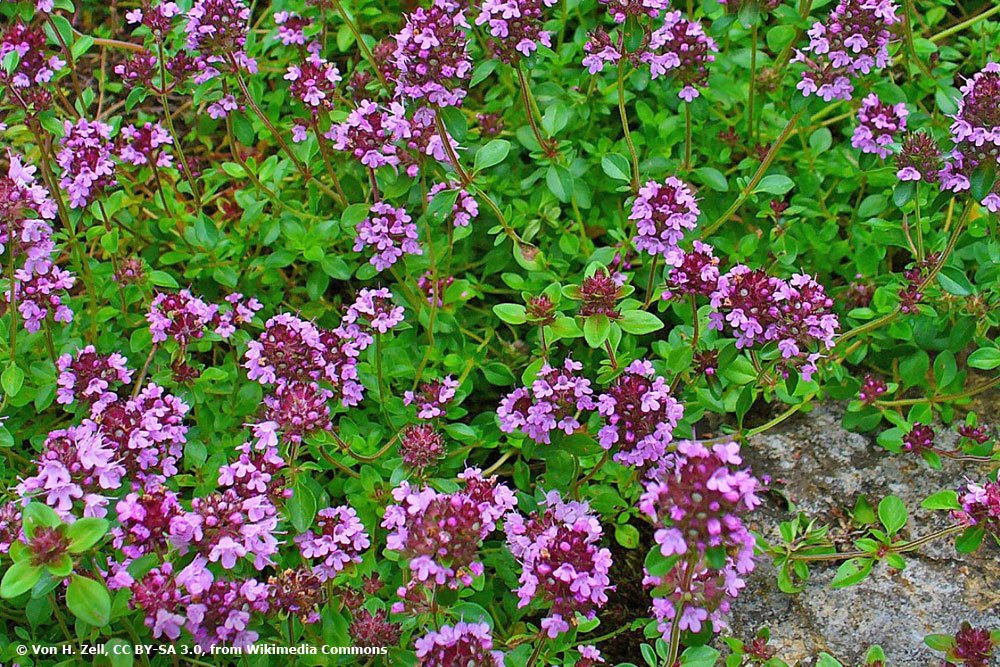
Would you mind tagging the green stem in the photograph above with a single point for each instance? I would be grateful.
(624, 118)
(757, 177)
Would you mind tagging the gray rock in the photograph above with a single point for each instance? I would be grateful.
(821, 469)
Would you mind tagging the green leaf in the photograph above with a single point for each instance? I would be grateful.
(943, 643)
(19, 578)
(163, 279)
(38, 514)
(659, 565)
(827, 660)
(627, 535)
(616, 166)
(301, 506)
(85, 533)
(639, 322)
(942, 500)
(904, 193)
(954, 281)
(481, 71)
(89, 601)
(892, 514)
(779, 37)
(492, 154)
(970, 540)
(119, 652)
(982, 180)
(596, 329)
(985, 358)
(699, 656)
(12, 379)
(713, 178)
(775, 184)
(560, 182)
(511, 313)
(851, 572)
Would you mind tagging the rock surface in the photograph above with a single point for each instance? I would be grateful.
(821, 469)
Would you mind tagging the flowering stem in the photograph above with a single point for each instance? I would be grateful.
(941, 399)
(301, 166)
(624, 118)
(649, 283)
(539, 643)
(452, 157)
(337, 464)
(902, 547)
(365, 51)
(529, 110)
(13, 305)
(687, 137)
(142, 374)
(694, 323)
(753, 84)
(958, 27)
(381, 382)
(611, 354)
(761, 170)
(170, 125)
(675, 629)
(324, 151)
(908, 34)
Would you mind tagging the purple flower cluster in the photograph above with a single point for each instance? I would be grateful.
(853, 40)
(370, 134)
(696, 501)
(373, 630)
(440, 533)
(432, 398)
(180, 316)
(758, 308)
(33, 68)
(620, 10)
(431, 58)
(421, 446)
(390, 232)
(26, 235)
(460, 644)
(291, 28)
(516, 27)
(158, 19)
(218, 30)
(85, 159)
(214, 611)
(879, 125)
(663, 212)
(465, 209)
(681, 49)
(143, 144)
(981, 507)
(314, 82)
(872, 389)
(975, 130)
(226, 527)
(640, 416)
(919, 159)
(553, 401)
(372, 310)
(561, 562)
(144, 523)
(696, 275)
(89, 376)
(336, 540)
(75, 464)
(147, 433)
(291, 350)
